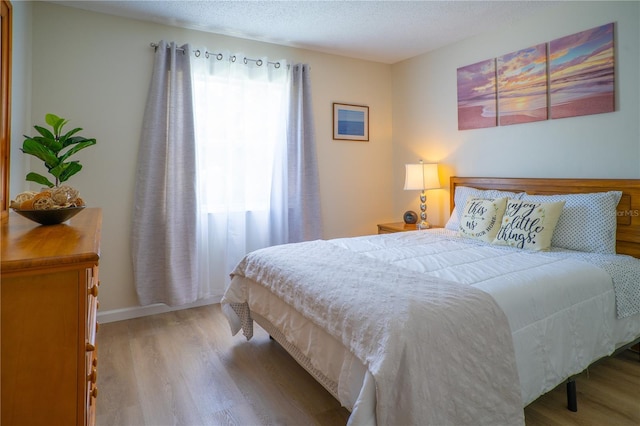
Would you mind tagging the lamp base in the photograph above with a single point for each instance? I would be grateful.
(423, 224)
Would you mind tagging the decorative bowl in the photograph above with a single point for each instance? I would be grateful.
(50, 217)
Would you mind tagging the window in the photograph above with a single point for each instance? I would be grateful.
(240, 136)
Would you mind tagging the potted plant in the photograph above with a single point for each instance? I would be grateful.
(54, 148)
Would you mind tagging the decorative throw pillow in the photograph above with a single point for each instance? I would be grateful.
(464, 192)
(588, 221)
(481, 218)
(528, 225)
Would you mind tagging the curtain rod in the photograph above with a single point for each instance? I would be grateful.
(220, 56)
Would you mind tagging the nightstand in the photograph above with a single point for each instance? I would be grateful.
(390, 228)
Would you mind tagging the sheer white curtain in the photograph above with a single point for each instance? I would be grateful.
(241, 117)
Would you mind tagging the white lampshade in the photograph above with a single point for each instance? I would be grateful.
(421, 176)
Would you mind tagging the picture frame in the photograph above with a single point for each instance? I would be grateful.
(350, 122)
(582, 73)
(522, 86)
(569, 76)
(477, 95)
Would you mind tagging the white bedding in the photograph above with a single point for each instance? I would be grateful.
(404, 326)
(561, 311)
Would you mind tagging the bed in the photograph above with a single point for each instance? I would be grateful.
(453, 329)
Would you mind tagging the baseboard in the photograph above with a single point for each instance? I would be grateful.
(143, 311)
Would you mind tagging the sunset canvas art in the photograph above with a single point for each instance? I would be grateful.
(582, 73)
(477, 95)
(522, 86)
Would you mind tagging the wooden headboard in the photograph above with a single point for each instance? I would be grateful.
(628, 232)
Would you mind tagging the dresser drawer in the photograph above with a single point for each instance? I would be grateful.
(91, 357)
(92, 387)
(92, 305)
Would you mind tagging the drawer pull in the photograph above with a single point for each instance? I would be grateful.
(93, 376)
(93, 291)
(93, 394)
(90, 347)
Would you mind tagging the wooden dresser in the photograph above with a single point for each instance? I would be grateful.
(48, 297)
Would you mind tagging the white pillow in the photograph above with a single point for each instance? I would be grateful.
(481, 218)
(454, 222)
(587, 223)
(460, 198)
(528, 225)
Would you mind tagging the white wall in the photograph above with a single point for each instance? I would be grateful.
(94, 69)
(594, 146)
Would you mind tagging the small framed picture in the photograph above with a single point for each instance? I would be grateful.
(350, 122)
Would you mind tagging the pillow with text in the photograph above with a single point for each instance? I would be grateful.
(464, 192)
(481, 218)
(528, 225)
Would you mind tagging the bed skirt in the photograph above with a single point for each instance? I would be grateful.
(302, 359)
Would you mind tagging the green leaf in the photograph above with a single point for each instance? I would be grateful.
(55, 122)
(52, 144)
(44, 132)
(65, 170)
(63, 139)
(51, 119)
(35, 177)
(75, 140)
(36, 149)
(77, 147)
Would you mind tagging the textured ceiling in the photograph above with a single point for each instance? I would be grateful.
(381, 31)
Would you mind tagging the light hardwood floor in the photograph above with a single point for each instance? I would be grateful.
(184, 368)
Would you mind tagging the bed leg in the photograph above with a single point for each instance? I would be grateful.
(572, 399)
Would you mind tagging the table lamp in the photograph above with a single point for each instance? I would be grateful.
(422, 177)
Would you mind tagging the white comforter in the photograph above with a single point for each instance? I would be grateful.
(561, 311)
(560, 306)
(440, 352)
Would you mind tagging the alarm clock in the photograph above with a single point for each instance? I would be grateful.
(410, 217)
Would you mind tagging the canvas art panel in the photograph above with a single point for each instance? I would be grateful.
(477, 95)
(582, 72)
(522, 86)
(350, 122)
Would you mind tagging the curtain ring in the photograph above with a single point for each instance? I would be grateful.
(197, 53)
(259, 62)
(277, 65)
(233, 58)
(245, 61)
(219, 56)
(206, 54)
